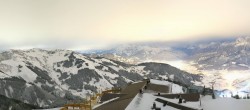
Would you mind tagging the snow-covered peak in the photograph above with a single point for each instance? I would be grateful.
(242, 41)
(39, 57)
(135, 48)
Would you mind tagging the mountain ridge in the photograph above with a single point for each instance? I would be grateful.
(203, 53)
(51, 78)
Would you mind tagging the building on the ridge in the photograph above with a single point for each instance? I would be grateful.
(154, 93)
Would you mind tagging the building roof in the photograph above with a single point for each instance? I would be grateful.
(129, 98)
(108, 96)
(121, 103)
(187, 97)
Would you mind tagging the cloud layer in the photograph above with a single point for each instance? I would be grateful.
(86, 24)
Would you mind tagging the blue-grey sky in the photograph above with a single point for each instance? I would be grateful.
(91, 24)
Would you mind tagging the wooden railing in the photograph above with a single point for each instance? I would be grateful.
(93, 100)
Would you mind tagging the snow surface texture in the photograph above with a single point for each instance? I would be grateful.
(145, 102)
(224, 103)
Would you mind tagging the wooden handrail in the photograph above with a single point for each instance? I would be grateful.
(88, 104)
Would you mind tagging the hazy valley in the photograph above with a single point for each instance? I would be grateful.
(224, 62)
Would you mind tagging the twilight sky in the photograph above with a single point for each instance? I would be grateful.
(89, 24)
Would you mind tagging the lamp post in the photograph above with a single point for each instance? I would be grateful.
(171, 85)
(200, 100)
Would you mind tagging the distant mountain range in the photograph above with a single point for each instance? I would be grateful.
(51, 78)
(140, 52)
(224, 62)
(231, 54)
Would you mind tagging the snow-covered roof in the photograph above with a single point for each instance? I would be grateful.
(145, 101)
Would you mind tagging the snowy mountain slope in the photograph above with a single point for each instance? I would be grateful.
(12, 104)
(223, 55)
(50, 78)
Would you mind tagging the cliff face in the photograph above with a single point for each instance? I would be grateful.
(12, 104)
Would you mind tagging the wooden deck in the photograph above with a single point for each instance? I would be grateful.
(108, 96)
(128, 94)
(158, 88)
(120, 104)
(178, 106)
(188, 97)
